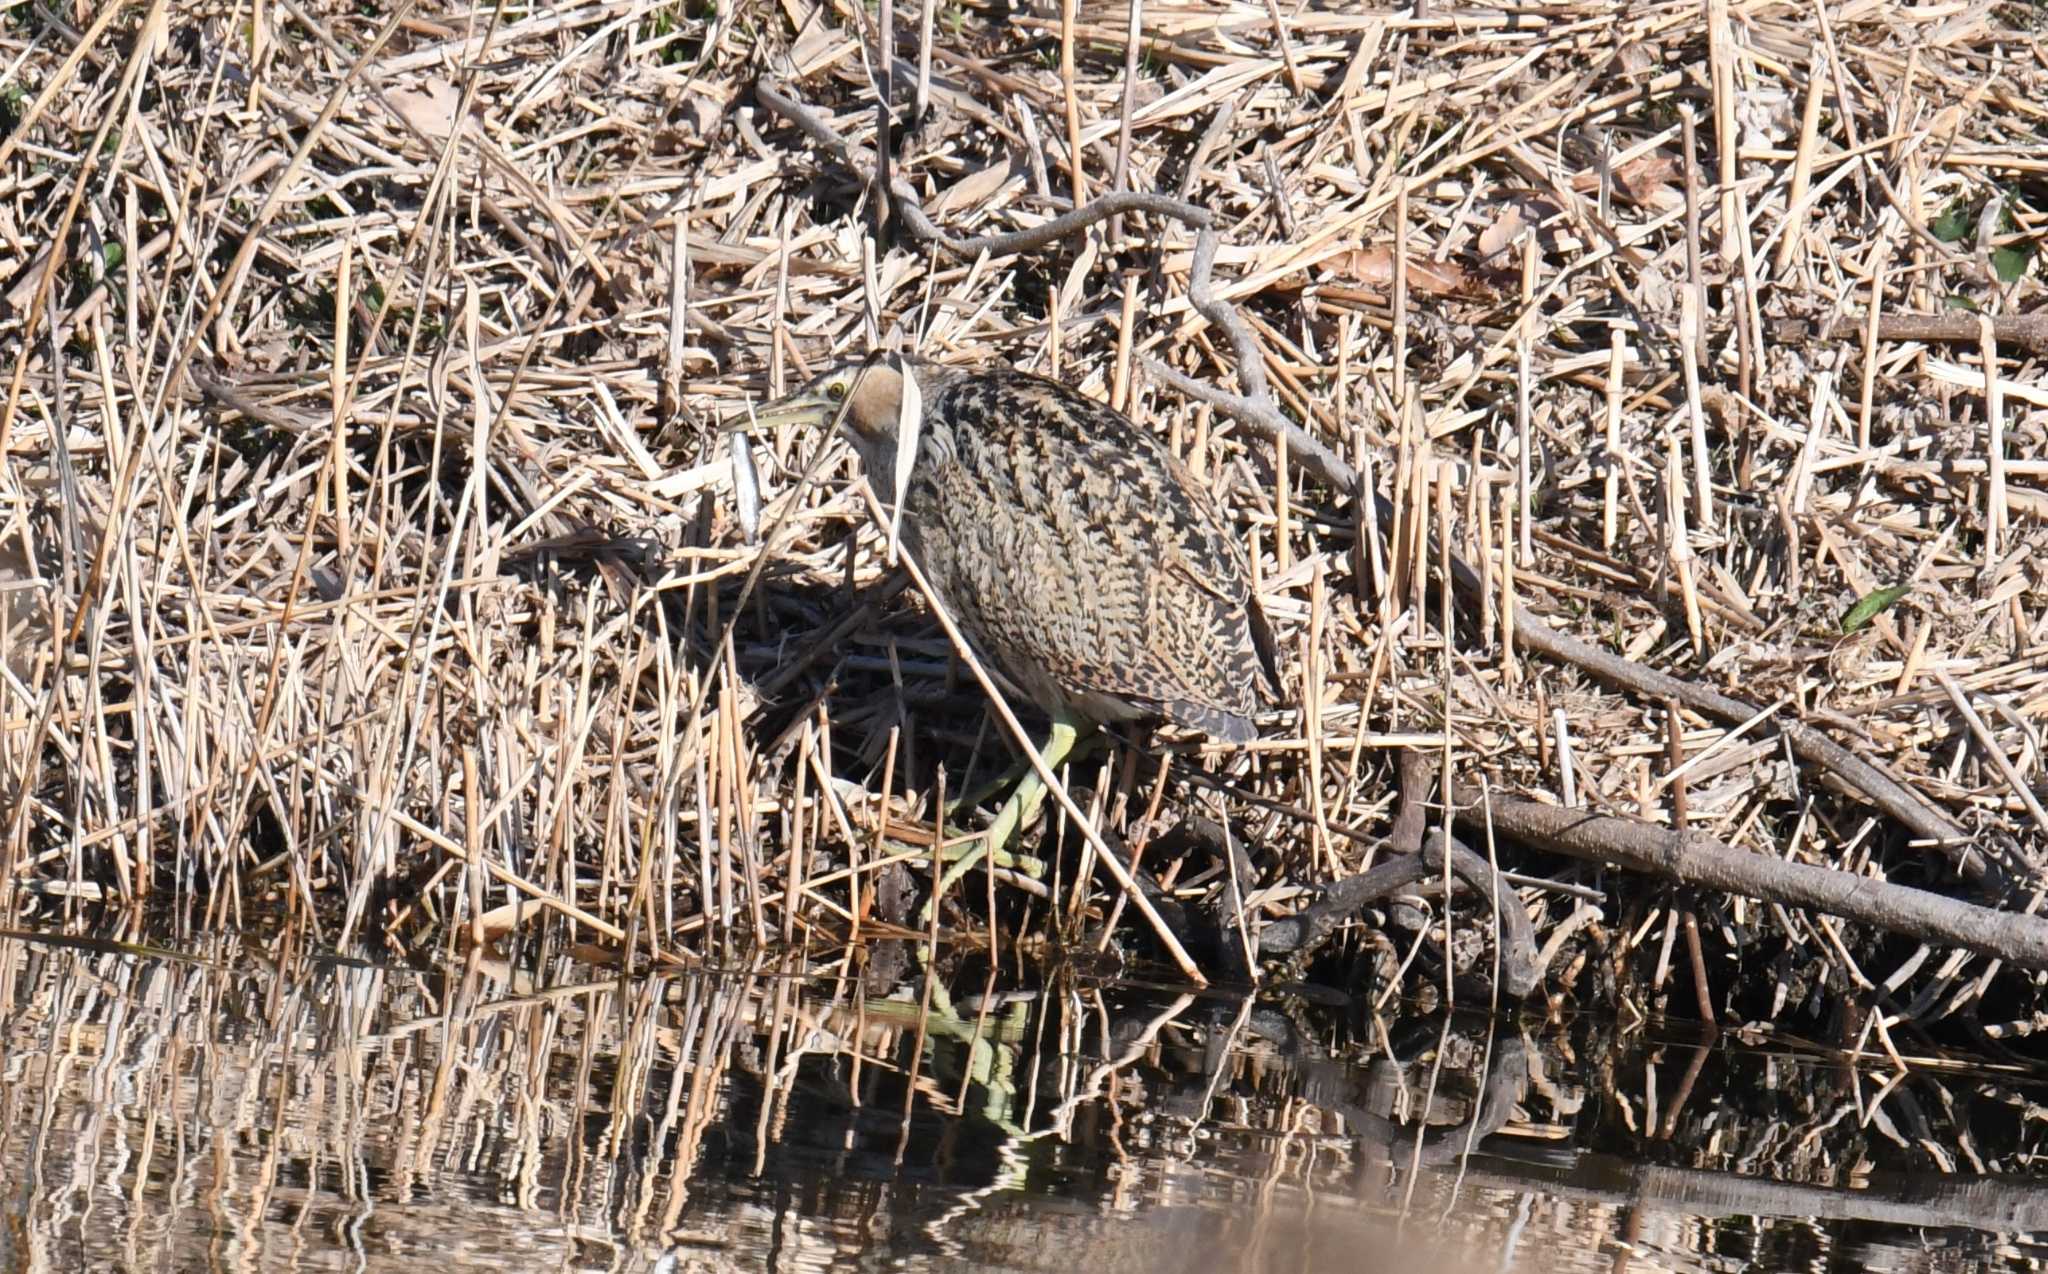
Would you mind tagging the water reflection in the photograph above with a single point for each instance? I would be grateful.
(233, 1109)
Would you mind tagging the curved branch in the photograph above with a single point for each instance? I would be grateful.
(1101, 208)
(1300, 935)
(862, 161)
(1695, 858)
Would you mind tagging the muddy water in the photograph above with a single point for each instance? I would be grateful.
(233, 1107)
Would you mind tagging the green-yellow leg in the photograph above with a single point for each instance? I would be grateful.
(1023, 803)
(1008, 779)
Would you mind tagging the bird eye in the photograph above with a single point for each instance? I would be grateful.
(836, 390)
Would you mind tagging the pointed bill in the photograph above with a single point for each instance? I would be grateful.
(911, 413)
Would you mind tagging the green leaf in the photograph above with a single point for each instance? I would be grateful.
(1955, 221)
(1873, 605)
(2009, 263)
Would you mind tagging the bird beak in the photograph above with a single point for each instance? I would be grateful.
(810, 410)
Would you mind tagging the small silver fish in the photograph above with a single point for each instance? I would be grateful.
(746, 488)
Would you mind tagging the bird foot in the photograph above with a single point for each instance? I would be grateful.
(1016, 813)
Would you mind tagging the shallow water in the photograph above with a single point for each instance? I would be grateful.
(242, 1108)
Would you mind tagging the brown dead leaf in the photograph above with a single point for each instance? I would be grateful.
(1374, 268)
(499, 921)
(1636, 59)
(1501, 232)
(1512, 216)
(432, 109)
(819, 45)
(1655, 180)
(976, 188)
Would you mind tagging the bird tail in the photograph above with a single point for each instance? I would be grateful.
(1218, 724)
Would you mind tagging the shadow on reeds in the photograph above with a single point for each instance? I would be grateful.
(243, 1107)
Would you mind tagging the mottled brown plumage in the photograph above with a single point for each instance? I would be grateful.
(1076, 552)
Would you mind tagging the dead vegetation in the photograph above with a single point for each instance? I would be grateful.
(367, 543)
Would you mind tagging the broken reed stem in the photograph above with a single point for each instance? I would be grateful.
(1077, 181)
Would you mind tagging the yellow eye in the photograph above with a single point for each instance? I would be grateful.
(836, 390)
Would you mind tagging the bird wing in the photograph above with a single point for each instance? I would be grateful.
(1121, 577)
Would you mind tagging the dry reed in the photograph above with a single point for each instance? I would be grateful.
(366, 545)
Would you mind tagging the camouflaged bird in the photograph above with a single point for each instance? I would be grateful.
(1076, 552)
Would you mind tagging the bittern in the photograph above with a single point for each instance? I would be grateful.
(1076, 553)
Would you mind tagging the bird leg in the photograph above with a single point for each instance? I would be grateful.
(1060, 745)
(1022, 773)
(957, 806)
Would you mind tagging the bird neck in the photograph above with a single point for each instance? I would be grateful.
(878, 461)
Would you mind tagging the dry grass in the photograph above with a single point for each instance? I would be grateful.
(365, 537)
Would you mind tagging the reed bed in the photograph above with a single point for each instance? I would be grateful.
(1631, 412)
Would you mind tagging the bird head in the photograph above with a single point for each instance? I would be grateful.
(864, 398)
